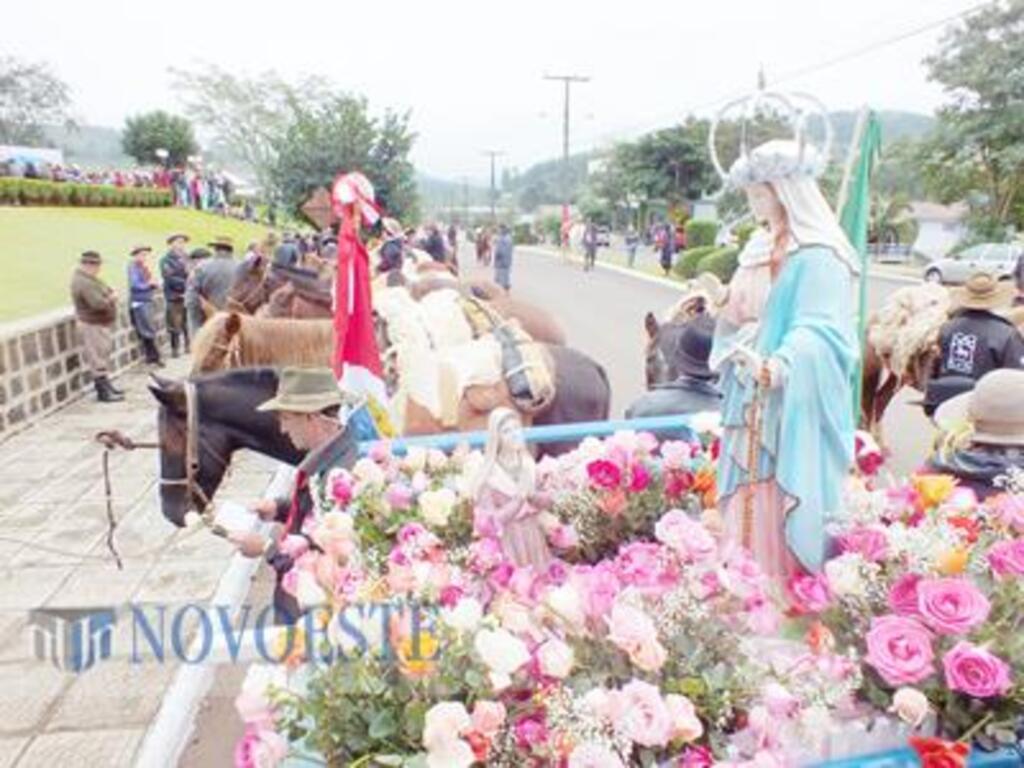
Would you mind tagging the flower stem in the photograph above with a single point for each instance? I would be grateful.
(966, 738)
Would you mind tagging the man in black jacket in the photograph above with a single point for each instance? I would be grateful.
(174, 273)
(307, 405)
(694, 390)
(974, 341)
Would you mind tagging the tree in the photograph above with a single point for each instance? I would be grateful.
(978, 144)
(145, 134)
(389, 167)
(31, 97)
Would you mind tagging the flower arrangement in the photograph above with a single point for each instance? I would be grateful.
(926, 589)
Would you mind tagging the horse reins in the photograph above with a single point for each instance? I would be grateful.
(243, 303)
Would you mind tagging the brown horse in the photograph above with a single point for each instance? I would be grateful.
(257, 280)
(234, 340)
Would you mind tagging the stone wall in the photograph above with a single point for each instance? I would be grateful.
(42, 367)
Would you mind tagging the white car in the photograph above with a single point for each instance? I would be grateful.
(998, 259)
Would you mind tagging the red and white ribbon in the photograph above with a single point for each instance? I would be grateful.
(354, 189)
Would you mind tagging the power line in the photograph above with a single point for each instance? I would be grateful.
(829, 63)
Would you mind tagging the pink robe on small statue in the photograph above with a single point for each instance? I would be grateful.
(512, 520)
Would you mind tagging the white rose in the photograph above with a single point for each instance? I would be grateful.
(414, 460)
(308, 592)
(470, 468)
(707, 422)
(465, 616)
(436, 506)
(501, 651)
(911, 706)
(844, 575)
(567, 606)
(368, 472)
(436, 460)
(556, 659)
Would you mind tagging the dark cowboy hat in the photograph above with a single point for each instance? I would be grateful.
(694, 347)
(141, 249)
(177, 236)
(199, 253)
(91, 257)
(222, 243)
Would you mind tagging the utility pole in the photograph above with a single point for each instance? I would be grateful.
(567, 80)
(493, 153)
(465, 202)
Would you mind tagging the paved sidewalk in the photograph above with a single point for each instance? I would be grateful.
(51, 494)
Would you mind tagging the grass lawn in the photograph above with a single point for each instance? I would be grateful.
(39, 247)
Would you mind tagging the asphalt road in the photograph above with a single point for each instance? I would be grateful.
(603, 310)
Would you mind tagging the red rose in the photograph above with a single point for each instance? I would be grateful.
(604, 474)
(936, 753)
(677, 482)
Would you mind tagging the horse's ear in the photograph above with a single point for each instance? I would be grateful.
(168, 393)
(651, 325)
(209, 308)
(233, 324)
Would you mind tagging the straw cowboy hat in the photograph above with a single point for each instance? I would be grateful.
(994, 408)
(983, 291)
(304, 390)
(392, 227)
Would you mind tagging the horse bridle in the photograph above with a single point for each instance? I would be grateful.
(242, 304)
(193, 443)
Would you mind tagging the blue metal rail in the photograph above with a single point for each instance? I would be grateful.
(907, 758)
(679, 426)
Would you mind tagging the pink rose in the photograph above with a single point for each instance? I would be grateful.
(1010, 510)
(951, 606)
(594, 756)
(485, 555)
(675, 454)
(900, 649)
(293, 546)
(869, 543)
(530, 732)
(399, 496)
(809, 593)
(563, 536)
(975, 671)
(686, 726)
(645, 718)
(633, 631)
(341, 488)
(260, 748)
(903, 597)
(1007, 558)
(555, 659)
(643, 565)
(488, 717)
(691, 540)
(604, 474)
(779, 701)
(697, 757)
(639, 478)
(599, 586)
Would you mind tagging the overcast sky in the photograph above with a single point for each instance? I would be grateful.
(471, 71)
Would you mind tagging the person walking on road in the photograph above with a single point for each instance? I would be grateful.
(589, 246)
(174, 273)
(632, 243)
(503, 258)
(95, 314)
(142, 308)
(666, 244)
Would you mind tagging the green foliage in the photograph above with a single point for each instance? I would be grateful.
(700, 232)
(978, 145)
(551, 228)
(15, 191)
(722, 263)
(688, 261)
(31, 97)
(743, 231)
(144, 134)
(522, 234)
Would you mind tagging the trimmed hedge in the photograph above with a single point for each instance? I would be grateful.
(700, 232)
(686, 265)
(722, 262)
(16, 191)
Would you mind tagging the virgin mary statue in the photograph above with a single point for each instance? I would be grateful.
(789, 351)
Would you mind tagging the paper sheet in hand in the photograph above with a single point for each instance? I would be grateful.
(232, 516)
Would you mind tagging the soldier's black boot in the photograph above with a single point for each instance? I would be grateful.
(104, 393)
(174, 343)
(112, 388)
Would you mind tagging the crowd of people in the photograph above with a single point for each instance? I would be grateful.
(20, 168)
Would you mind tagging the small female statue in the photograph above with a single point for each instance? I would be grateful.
(507, 506)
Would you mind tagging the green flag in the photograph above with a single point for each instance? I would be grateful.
(854, 219)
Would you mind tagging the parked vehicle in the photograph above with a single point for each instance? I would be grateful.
(999, 259)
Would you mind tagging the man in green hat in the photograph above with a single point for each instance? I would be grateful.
(307, 405)
(95, 314)
(210, 281)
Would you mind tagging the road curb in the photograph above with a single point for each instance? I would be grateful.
(669, 282)
(169, 733)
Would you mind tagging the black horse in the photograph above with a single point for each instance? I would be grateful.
(226, 419)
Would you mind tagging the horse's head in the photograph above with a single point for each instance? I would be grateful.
(660, 350)
(216, 342)
(182, 488)
(249, 291)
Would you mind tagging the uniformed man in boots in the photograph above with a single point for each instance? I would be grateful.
(95, 315)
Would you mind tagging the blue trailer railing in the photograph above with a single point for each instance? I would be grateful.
(674, 426)
(907, 758)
